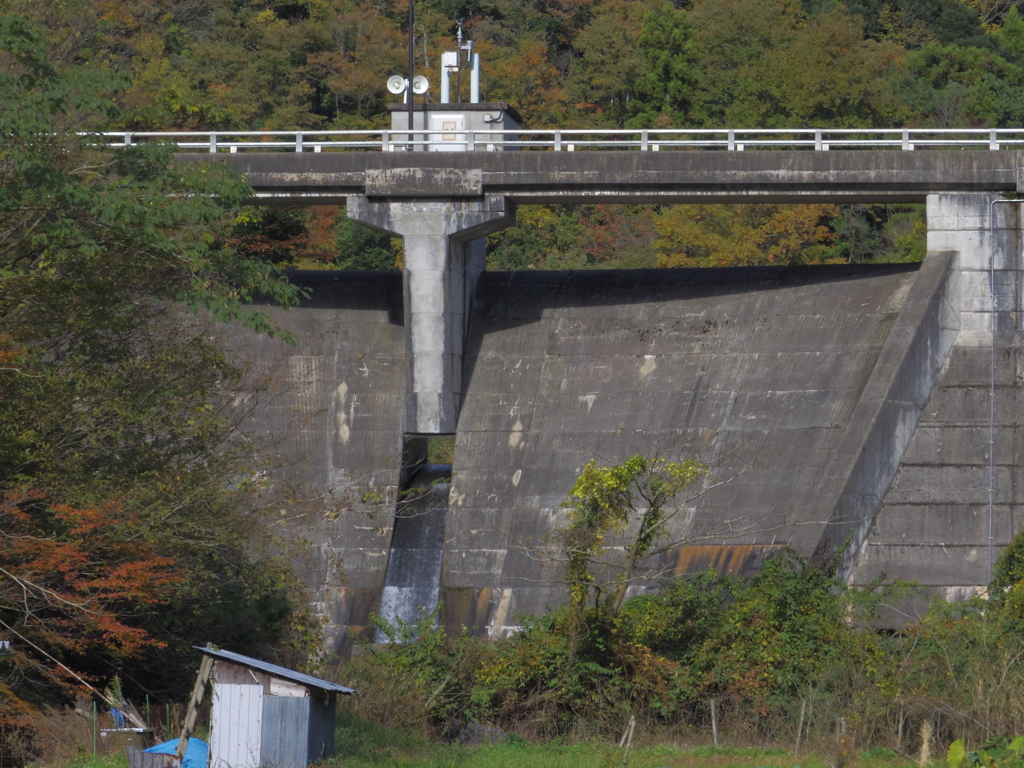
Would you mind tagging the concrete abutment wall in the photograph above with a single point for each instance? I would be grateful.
(834, 404)
(954, 503)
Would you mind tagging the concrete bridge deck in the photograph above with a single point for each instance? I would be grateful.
(780, 176)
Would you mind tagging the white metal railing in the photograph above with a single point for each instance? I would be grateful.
(580, 139)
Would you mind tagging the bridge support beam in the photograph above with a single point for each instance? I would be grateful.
(444, 256)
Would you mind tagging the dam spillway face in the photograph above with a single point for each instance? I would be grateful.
(800, 388)
(412, 587)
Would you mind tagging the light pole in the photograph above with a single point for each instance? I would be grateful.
(408, 90)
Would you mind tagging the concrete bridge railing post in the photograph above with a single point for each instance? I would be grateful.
(444, 256)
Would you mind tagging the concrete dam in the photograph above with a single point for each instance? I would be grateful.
(869, 411)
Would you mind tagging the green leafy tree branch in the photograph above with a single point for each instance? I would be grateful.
(642, 492)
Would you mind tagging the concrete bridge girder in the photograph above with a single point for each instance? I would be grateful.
(444, 254)
(782, 176)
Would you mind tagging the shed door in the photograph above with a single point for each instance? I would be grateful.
(237, 726)
(447, 132)
(286, 732)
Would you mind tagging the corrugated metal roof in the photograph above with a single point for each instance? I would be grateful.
(272, 669)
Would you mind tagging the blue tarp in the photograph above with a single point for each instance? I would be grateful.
(196, 754)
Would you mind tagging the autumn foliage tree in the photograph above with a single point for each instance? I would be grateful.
(127, 525)
(71, 587)
(744, 235)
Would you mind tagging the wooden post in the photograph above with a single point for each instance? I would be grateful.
(714, 722)
(627, 737)
(205, 668)
(810, 712)
(800, 728)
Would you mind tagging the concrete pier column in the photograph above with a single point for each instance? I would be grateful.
(989, 250)
(444, 257)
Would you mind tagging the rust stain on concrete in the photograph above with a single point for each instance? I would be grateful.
(725, 560)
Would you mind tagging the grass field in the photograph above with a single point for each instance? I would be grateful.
(426, 755)
(365, 744)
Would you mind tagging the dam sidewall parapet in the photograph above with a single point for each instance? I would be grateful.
(953, 502)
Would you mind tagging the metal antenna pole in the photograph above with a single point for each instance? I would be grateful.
(458, 72)
(412, 73)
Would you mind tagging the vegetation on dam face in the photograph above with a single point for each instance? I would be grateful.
(782, 665)
(785, 656)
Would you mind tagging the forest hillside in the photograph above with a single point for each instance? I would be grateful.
(261, 64)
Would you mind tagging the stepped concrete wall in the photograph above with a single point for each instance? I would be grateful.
(328, 416)
(957, 497)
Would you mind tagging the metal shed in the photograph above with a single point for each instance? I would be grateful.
(268, 716)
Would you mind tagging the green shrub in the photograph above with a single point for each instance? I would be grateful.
(995, 752)
(782, 631)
